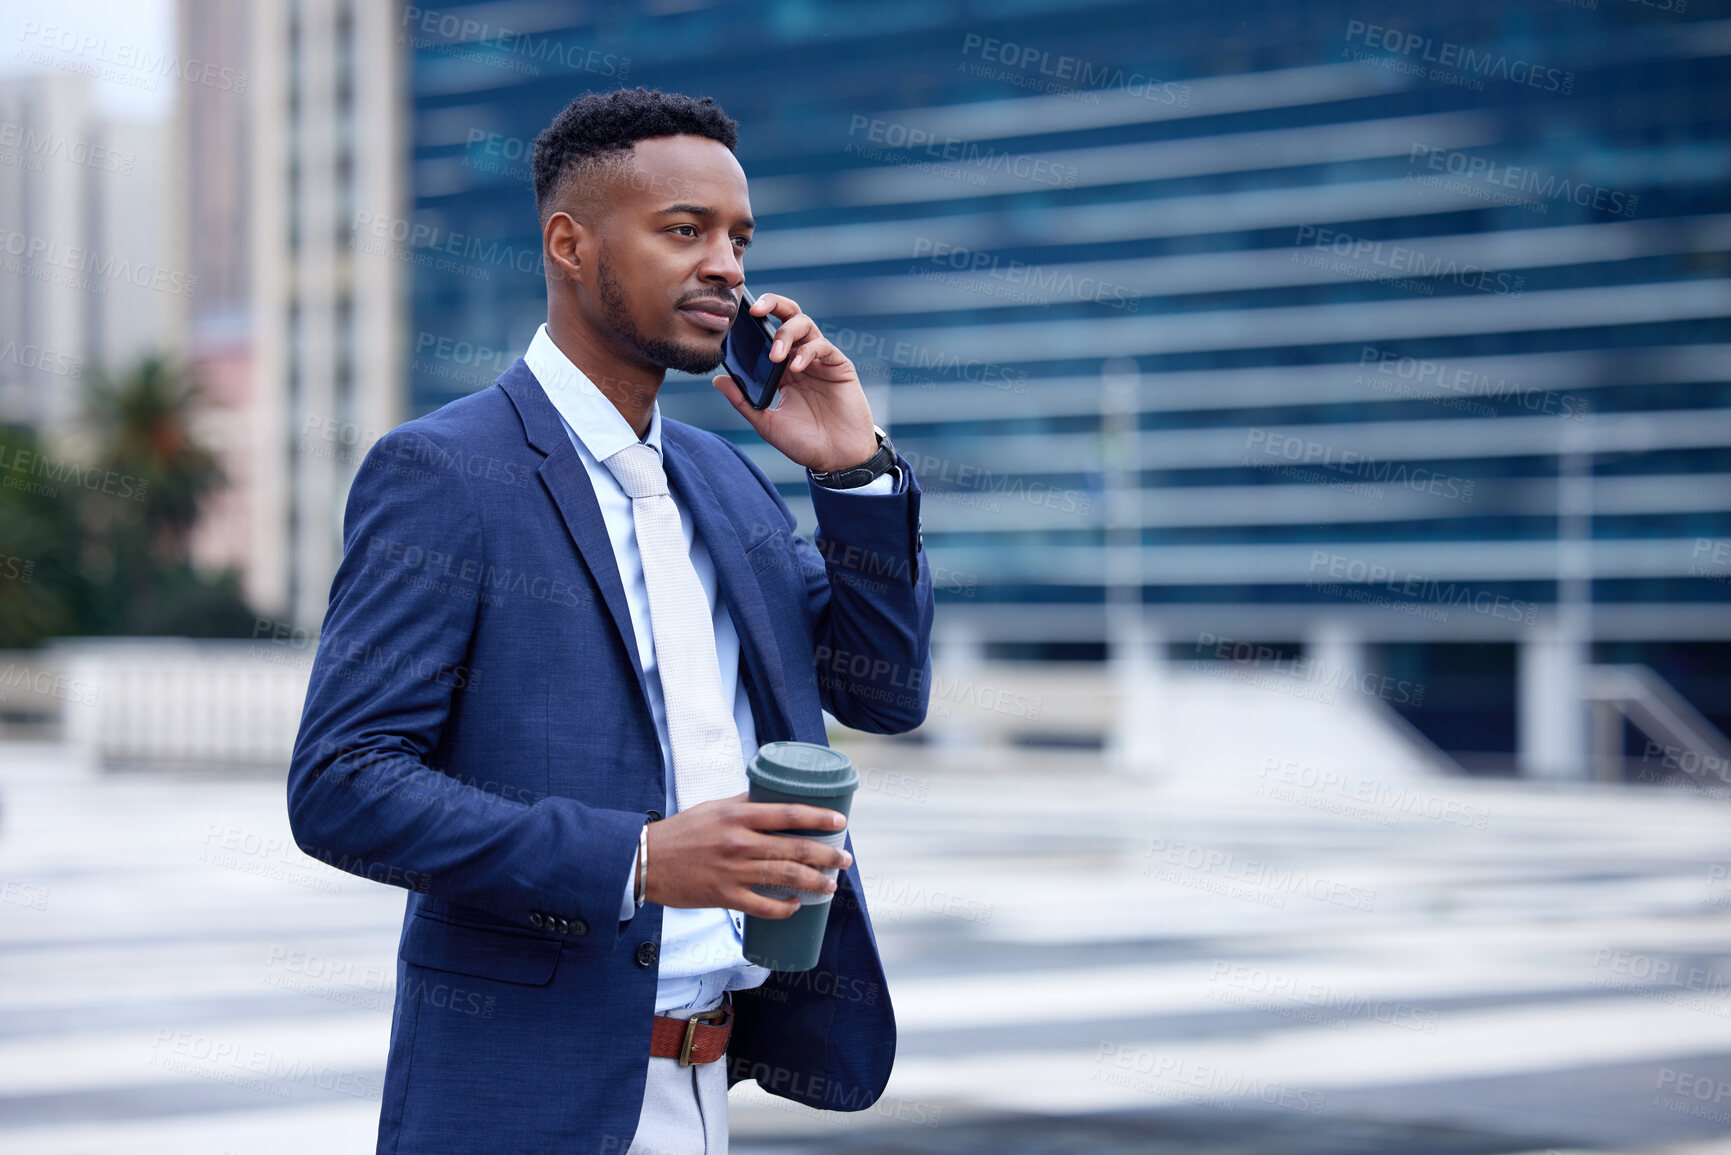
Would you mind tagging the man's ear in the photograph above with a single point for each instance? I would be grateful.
(562, 244)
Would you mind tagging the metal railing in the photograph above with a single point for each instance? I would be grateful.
(1653, 706)
(179, 702)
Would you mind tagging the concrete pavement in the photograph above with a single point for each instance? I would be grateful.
(1278, 960)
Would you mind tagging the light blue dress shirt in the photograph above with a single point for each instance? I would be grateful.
(701, 949)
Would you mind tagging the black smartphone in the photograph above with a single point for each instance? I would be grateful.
(745, 355)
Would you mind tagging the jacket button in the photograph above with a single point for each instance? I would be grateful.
(646, 952)
(654, 815)
(564, 927)
(578, 926)
(535, 919)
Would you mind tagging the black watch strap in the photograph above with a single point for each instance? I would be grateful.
(865, 473)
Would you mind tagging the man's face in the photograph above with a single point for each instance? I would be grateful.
(669, 257)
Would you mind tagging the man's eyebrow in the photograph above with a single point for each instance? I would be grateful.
(698, 211)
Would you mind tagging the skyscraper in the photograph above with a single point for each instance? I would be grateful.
(1401, 335)
(89, 276)
(326, 150)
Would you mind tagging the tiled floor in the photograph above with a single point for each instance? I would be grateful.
(1078, 963)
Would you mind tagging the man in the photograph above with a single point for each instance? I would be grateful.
(559, 617)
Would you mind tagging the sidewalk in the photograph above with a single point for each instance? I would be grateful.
(1268, 963)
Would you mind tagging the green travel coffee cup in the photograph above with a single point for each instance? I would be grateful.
(815, 776)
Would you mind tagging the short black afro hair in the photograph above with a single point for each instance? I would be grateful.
(593, 131)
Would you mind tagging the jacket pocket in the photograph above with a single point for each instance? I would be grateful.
(772, 553)
(509, 956)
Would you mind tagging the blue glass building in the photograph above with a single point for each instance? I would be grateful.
(1406, 322)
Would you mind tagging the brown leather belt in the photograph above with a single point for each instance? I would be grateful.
(698, 1038)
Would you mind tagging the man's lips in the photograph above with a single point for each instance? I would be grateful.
(712, 315)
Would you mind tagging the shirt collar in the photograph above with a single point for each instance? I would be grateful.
(587, 412)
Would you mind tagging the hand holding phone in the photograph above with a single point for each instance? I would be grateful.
(745, 355)
(821, 418)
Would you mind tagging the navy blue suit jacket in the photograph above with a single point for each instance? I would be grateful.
(476, 732)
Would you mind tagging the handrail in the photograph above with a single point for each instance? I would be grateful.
(1655, 707)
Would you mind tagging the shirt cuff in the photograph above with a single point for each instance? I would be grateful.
(882, 484)
(628, 908)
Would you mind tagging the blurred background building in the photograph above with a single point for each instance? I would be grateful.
(214, 133)
(298, 333)
(1381, 348)
(90, 273)
(1403, 332)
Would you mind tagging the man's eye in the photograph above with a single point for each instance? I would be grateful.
(743, 242)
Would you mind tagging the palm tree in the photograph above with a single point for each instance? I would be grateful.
(41, 590)
(139, 521)
(103, 546)
(142, 428)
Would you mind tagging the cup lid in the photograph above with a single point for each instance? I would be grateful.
(803, 768)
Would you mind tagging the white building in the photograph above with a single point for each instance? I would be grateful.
(308, 332)
(89, 275)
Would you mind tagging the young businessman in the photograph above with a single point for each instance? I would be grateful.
(561, 617)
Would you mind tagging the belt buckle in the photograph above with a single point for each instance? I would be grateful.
(704, 1017)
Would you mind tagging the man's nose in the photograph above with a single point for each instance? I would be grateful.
(724, 266)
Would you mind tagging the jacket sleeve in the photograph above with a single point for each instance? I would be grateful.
(870, 592)
(363, 793)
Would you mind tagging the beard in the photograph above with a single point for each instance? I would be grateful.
(667, 354)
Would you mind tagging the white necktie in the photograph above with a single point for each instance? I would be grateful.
(707, 760)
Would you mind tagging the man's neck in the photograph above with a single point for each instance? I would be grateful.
(631, 388)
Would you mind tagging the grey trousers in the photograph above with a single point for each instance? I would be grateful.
(684, 1108)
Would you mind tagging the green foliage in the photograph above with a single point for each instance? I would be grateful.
(99, 544)
(40, 586)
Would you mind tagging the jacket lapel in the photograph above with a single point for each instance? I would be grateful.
(738, 586)
(568, 483)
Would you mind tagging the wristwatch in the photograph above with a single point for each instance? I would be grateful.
(866, 472)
